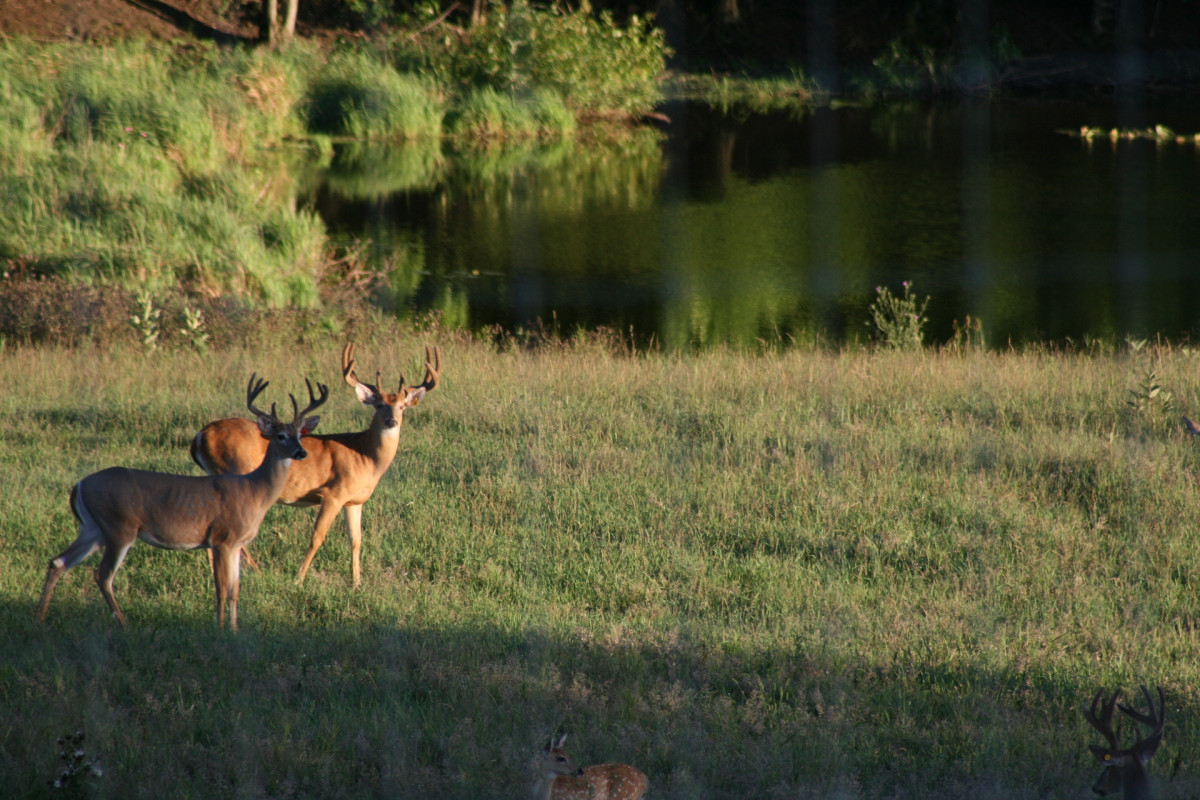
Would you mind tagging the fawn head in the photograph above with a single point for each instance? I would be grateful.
(554, 761)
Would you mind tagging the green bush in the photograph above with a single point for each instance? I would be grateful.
(358, 95)
(595, 64)
(130, 165)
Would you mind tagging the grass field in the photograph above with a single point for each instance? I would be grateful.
(806, 574)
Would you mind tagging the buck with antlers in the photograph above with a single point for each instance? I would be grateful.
(342, 469)
(1125, 769)
(560, 778)
(117, 506)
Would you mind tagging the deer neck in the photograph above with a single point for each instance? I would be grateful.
(383, 441)
(1135, 785)
(272, 473)
(544, 787)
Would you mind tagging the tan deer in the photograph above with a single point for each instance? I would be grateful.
(117, 506)
(1125, 770)
(560, 778)
(342, 469)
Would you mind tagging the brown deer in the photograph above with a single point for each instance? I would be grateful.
(342, 469)
(1125, 769)
(117, 506)
(560, 778)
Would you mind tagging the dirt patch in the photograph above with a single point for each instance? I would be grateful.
(106, 20)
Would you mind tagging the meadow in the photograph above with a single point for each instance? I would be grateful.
(808, 573)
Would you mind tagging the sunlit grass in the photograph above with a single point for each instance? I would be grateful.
(805, 574)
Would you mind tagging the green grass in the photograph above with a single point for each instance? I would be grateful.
(358, 96)
(744, 94)
(147, 166)
(804, 574)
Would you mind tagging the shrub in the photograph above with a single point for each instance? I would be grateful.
(594, 63)
(358, 95)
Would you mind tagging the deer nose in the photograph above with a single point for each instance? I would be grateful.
(300, 453)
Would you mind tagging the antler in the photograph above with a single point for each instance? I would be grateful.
(1155, 719)
(1103, 721)
(256, 386)
(348, 370)
(313, 401)
(253, 389)
(433, 370)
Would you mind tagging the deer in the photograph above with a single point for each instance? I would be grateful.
(117, 506)
(1125, 769)
(344, 468)
(560, 778)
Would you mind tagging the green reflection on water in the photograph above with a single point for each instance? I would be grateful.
(695, 243)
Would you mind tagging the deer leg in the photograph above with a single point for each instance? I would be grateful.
(89, 540)
(354, 526)
(80, 549)
(325, 518)
(114, 554)
(250, 562)
(225, 579)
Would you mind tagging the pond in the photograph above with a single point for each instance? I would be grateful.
(730, 229)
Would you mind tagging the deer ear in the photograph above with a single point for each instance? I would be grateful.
(414, 397)
(266, 426)
(364, 394)
(309, 425)
(1145, 750)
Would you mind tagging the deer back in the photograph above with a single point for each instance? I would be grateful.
(177, 512)
(607, 781)
(234, 446)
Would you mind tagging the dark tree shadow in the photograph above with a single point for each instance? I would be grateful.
(186, 22)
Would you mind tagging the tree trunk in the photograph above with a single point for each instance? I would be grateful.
(280, 34)
(289, 21)
(271, 22)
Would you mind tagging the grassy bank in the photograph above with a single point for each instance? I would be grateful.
(152, 166)
(808, 574)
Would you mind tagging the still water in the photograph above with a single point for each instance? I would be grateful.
(726, 228)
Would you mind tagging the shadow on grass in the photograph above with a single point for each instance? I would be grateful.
(173, 706)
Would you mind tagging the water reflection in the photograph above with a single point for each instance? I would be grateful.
(779, 226)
